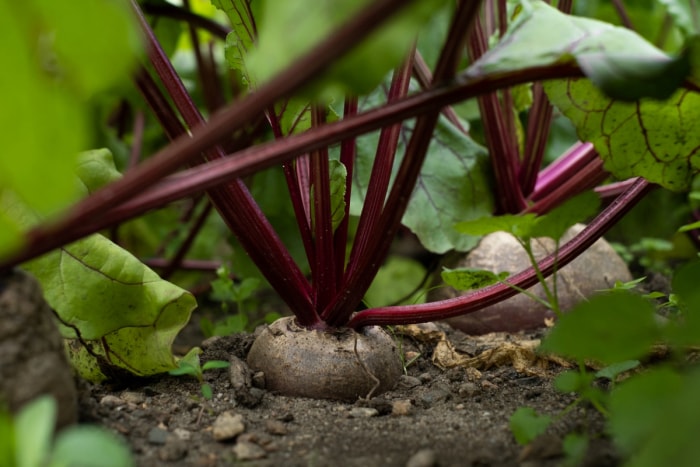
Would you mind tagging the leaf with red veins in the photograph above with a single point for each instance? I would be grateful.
(656, 140)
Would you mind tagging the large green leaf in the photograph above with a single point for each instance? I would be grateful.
(453, 184)
(43, 125)
(289, 29)
(655, 418)
(609, 328)
(684, 15)
(110, 302)
(657, 140)
(616, 59)
(54, 60)
(116, 313)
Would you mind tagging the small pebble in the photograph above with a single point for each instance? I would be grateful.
(227, 426)
(469, 390)
(157, 436)
(362, 412)
(423, 458)
(247, 451)
(435, 395)
(174, 450)
(133, 397)
(182, 434)
(408, 382)
(401, 407)
(112, 401)
(425, 377)
(275, 427)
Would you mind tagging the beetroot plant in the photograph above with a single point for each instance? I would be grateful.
(306, 85)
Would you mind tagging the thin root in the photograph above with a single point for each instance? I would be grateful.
(369, 373)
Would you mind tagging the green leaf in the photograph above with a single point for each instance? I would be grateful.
(240, 40)
(683, 15)
(616, 59)
(555, 223)
(470, 279)
(527, 425)
(650, 139)
(299, 28)
(453, 184)
(214, 364)
(655, 418)
(121, 309)
(185, 368)
(573, 381)
(519, 225)
(206, 391)
(689, 227)
(686, 331)
(189, 364)
(396, 280)
(609, 328)
(612, 371)
(34, 427)
(96, 169)
(7, 437)
(338, 176)
(54, 70)
(574, 446)
(85, 446)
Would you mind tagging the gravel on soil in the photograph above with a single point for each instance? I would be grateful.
(436, 416)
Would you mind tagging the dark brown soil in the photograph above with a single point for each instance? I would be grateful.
(435, 416)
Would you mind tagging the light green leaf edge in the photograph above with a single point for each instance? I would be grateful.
(104, 297)
(657, 140)
(617, 59)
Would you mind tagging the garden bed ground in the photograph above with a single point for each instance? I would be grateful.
(436, 416)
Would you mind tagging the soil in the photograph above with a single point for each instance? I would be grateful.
(436, 416)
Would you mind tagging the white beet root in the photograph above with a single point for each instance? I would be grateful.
(341, 364)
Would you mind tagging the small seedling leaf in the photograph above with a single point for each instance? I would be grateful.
(185, 369)
(573, 381)
(555, 223)
(612, 371)
(471, 279)
(90, 445)
(34, 427)
(688, 227)
(206, 391)
(212, 364)
(619, 285)
(609, 328)
(526, 424)
(574, 446)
